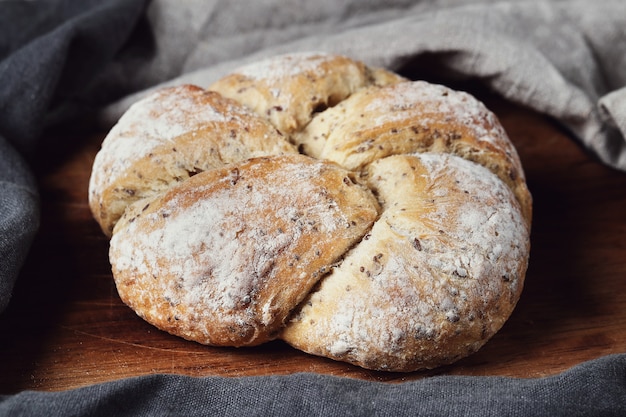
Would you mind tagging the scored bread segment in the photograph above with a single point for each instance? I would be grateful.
(289, 89)
(168, 137)
(435, 278)
(224, 257)
(414, 117)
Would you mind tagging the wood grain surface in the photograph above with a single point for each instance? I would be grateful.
(66, 327)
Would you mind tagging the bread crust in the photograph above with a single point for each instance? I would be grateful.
(168, 137)
(434, 279)
(346, 210)
(408, 117)
(224, 257)
(290, 89)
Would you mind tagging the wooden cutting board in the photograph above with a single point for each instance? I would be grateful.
(66, 326)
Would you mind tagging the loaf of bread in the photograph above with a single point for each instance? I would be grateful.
(348, 211)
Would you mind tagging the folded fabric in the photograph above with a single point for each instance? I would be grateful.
(595, 388)
(19, 221)
(51, 54)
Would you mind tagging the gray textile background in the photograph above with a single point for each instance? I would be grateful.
(63, 60)
(51, 54)
(19, 217)
(596, 388)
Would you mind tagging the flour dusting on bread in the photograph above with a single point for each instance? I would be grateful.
(435, 276)
(218, 249)
(344, 209)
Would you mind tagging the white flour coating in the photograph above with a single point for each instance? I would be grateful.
(157, 119)
(383, 320)
(273, 70)
(489, 232)
(395, 101)
(468, 254)
(218, 249)
(380, 319)
(279, 71)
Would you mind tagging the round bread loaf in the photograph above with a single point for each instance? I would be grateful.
(350, 212)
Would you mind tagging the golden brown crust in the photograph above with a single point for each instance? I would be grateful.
(288, 90)
(168, 137)
(435, 278)
(414, 117)
(251, 249)
(224, 257)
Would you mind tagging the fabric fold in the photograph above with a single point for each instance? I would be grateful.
(47, 71)
(557, 58)
(19, 219)
(594, 388)
(612, 111)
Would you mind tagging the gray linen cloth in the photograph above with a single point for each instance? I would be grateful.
(51, 54)
(594, 388)
(63, 61)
